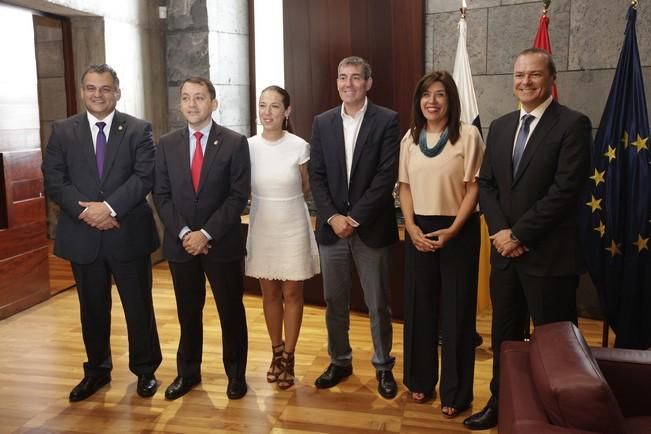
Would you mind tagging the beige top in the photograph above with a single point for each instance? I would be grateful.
(438, 184)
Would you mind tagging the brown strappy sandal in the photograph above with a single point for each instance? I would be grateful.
(286, 377)
(421, 397)
(275, 369)
(452, 412)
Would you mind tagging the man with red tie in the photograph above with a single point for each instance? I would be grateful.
(203, 179)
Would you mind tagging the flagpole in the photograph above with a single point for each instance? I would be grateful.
(546, 4)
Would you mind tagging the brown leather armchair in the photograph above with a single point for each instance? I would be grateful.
(556, 384)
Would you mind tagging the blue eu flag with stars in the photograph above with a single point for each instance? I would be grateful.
(617, 224)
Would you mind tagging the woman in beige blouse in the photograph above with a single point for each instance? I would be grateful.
(439, 159)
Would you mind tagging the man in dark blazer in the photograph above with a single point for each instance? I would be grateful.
(203, 180)
(99, 167)
(353, 169)
(536, 163)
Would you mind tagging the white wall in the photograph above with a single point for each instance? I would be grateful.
(269, 46)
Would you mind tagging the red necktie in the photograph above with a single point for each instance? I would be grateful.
(197, 161)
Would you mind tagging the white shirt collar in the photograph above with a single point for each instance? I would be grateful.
(361, 112)
(205, 131)
(92, 120)
(538, 111)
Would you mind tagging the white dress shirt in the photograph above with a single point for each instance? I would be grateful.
(352, 125)
(205, 131)
(94, 130)
(537, 113)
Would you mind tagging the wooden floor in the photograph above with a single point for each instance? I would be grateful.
(61, 277)
(42, 352)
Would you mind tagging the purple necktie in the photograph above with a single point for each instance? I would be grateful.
(100, 147)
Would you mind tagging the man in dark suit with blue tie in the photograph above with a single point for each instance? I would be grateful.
(536, 162)
(99, 167)
(203, 180)
(353, 170)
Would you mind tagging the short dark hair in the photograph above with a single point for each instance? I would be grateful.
(551, 66)
(202, 81)
(101, 68)
(356, 60)
(287, 125)
(418, 121)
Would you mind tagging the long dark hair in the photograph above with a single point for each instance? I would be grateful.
(418, 121)
(287, 124)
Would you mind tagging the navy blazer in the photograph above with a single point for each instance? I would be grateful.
(368, 197)
(224, 188)
(70, 174)
(539, 203)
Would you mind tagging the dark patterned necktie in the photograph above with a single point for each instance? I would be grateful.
(521, 141)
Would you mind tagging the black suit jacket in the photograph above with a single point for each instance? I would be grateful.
(70, 173)
(540, 202)
(368, 199)
(224, 188)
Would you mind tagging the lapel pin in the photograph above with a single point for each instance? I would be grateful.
(215, 142)
(120, 127)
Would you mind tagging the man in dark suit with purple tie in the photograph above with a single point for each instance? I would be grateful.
(203, 180)
(99, 167)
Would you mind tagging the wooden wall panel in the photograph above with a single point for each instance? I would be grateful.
(23, 238)
(319, 33)
(24, 276)
(408, 48)
(24, 280)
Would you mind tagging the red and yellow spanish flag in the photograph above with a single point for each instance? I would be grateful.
(542, 41)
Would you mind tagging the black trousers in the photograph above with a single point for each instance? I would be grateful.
(227, 283)
(133, 280)
(442, 286)
(548, 299)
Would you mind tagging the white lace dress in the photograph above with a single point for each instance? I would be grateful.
(280, 244)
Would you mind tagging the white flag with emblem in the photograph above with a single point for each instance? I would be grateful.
(463, 78)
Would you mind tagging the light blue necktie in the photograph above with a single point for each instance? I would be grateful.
(521, 141)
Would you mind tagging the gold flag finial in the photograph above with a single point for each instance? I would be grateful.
(546, 4)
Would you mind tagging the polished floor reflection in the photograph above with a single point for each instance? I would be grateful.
(42, 353)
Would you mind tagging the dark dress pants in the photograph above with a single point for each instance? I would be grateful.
(227, 283)
(547, 298)
(133, 280)
(442, 286)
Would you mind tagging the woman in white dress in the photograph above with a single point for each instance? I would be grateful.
(281, 249)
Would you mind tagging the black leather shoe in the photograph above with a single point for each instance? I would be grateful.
(180, 386)
(87, 387)
(386, 384)
(485, 419)
(236, 388)
(147, 385)
(332, 376)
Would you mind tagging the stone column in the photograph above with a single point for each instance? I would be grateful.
(209, 38)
